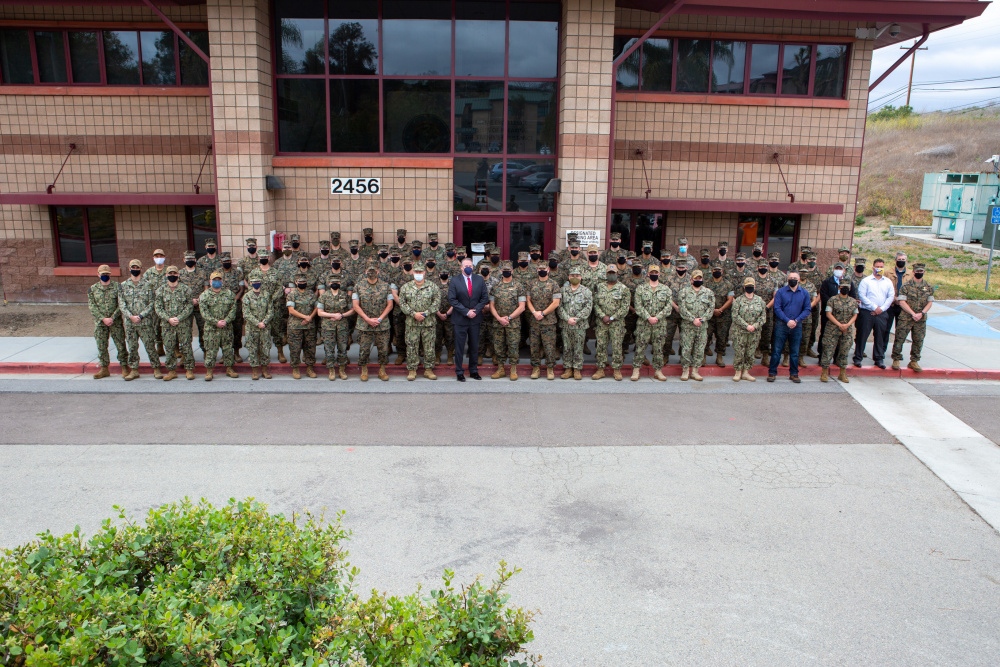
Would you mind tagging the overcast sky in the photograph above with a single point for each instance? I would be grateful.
(967, 51)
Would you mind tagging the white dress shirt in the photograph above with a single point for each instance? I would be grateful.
(876, 293)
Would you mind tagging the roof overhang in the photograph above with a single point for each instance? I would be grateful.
(108, 199)
(727, 206)
(910, 15)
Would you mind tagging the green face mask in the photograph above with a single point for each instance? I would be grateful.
(574, 281)
(612, 278)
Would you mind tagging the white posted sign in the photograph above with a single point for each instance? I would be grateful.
(586, 236)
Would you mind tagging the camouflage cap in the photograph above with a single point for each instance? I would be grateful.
(839, 265)
(534, 247)
(210, 242)
(449, 246)
(295, 237)
(172, 269)
(919, 266)
(190, 254)
(555, 255)
(612, 268)
(159, 251)
(844, 248)
(432, 236)
(226, 255)
(496, 250)
(335, 237)
(723, 244)
(383, 247)
(216, 274)
(705, 252)
(419, 266)
(104, 268)
(395, 252)
(749, 281)
(653, 268)
(506, 264)
(256, 274)
(523, 255)
(810, 255)
(773, 255)
(367, 231)
(324, 244)
(804, 248)
(616, 236)
(741, 255)
(135, 264)
(630, 254)
(574, 270)
(759, 245)
(697, 274)
(682, 241)
(762, 263)
(416, 245)
(354, 243)
(666, 253)
(286, 244)
(574, 242)
(647, 244)
(573, 236)
(400, 232)
(303, 260)
(251, 240)
(593, 247)
(715, 264)
(460, 250)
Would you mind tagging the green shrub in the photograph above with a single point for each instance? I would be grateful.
(199, 585)
(860, 219)
(890, 112)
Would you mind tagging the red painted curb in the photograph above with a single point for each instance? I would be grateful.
(523, 370)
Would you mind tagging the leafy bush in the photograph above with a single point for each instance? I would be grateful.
(890, 112)
(860, 219)
(199, 585)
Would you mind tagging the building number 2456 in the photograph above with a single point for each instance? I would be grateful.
(355, 186)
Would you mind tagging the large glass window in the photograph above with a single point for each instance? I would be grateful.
(778, 233)
(301, 115)
(354, 115)
(531, 126)
(15, 57)
(85, 57)
(417, 116)
(51, 54)
(85, 234)
(695, 65)
(202, 224)
(121, 56)
(479, 116)
(159, 66)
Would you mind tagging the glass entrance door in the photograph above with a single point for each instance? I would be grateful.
(513, 234)
(638, 226)
(778, 233)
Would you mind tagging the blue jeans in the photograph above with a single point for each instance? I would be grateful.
(794, 338)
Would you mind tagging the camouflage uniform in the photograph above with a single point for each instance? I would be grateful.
(738, 274)
(103, 302)
(611, 300)
(195, 280)
(798, 265)
(652, 300)
(337, 250)
(720, 324)
(402, 247)
(176, 302)
(765, 289)
(445, 337)
(397, 318)
(916, 295)
(694, 304)
(155, 279)
(233, 279)
(209, 265)
(610, 255)
(836, 343)
(216, 307)
(450, 265)
(136, 299)
(576, 304)
(369, 250)
(301, 334)
(248, 262)
(632, 282)
(336, 333)
(426, 299)
(505, 298)
(258, 307)
(855, 278)
(747, 312)
(285, 268)
(646, 258)
(542, 333)
(728, 265)
(810, 274)
(676, 282)
(435, 252)
(372, 299)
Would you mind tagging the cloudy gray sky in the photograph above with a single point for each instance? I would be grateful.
(967, 51)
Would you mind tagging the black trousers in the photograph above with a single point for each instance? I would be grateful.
(470, 333)
(868, 322)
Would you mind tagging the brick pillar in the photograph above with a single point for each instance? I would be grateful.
(585, 60)
(242, 98)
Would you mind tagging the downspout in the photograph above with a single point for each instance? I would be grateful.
(211, 104)
(668, 10)
(902, 59)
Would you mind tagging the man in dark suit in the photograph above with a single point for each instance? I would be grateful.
(829, 289)
(468, 298)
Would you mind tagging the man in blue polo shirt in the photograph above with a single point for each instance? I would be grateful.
(791, 306)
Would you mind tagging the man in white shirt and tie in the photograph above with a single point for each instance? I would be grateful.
(876, 294)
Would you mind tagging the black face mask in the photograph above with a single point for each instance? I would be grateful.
(593, 258)
(335, 265)
(324, 252)
(444, 277)
(859, 268)
(264, 261)
(636, 270)
(189, 263)
(523, 263)
(762, 272)
(697, 283)
(535, 257)
(295, 245)
(773, 265)
(368, 239)
(615, 244)
(792, 282)
(919, 275)
(301, 285)
(354, 251)
(705, 261)
(542, 273)
(654, 277)
(748, 289)
(407, 266)
(506, 274)
(494, 259)
(383, 255)
(431, 265)
(335, 286)
(484, 272)
(845, 290)
(900, 263)
(757, 253)
(251, 249)
(227, 265)
(574, 252)
(553, 263)
(394, 260)
(209, 251)
(303, 265)
(401, 239)
(723, 251)
(461, 258)
(451, 255)
(803, 256)
(681, 272)
(741, 264)
(647, 251)
(433, 244)
(716, 274)
(172, 279)
(135, 272)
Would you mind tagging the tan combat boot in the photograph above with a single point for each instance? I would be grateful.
(103, 373)
(364, 372)
(400, 359)
(499, 373)
(685, 374)
(208, 375)
(451, 359)
(824, 375)
(617, 374)
(513, 373)
(238, 358)
(598, 374)
(748, 377)
(719, 361)
(282, 359)
(430, 374)
(132, 374)
(636, 372)
(295, 373)
(265, 372)
(411, 375)
(171, 375)
(231, 372)
(310, 371)
(843, 376)
(567, 373)
(342, 372)
(536, 371)
(126, 371)
(695, 375)
(254, 373)
(189, 374)
(895, 364)
(784, 361)
(577, 375)
(737, 376)
(915, 367)
(382, 374)
(158, 373)
(658, 375)
(550, 373)
(333, 374)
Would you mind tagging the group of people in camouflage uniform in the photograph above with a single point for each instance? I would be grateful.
(397, 295)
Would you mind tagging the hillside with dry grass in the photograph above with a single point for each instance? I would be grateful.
(892, 172)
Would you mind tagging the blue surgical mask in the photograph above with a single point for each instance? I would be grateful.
(216, 284)
(256, 285)
(105, 277)
(683, 249)
(467, 270)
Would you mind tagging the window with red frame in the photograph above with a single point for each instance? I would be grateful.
(733, 67)
(101, 57)
(84, 235)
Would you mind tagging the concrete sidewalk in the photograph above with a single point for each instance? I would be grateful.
(962, 343)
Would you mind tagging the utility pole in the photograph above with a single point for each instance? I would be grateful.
(913, 62)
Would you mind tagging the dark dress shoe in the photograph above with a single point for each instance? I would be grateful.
(881, 365)
(460, 378)
(475, 376)
(857, 365)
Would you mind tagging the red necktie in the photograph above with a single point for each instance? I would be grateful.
(469, 282)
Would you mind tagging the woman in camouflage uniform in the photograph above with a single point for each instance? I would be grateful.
(258, 310)
(749, 316)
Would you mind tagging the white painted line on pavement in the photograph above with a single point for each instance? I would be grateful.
(958, 454)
